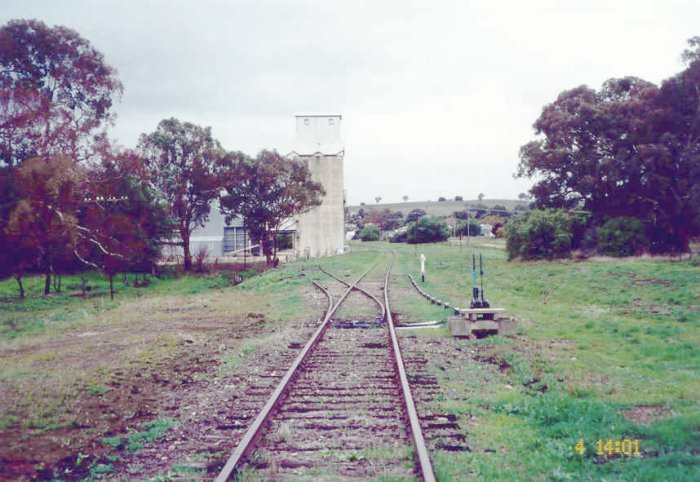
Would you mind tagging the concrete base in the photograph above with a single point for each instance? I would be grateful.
(472, 320)
(482, 313)
(459, 326)
(462, 327)
(507, 326)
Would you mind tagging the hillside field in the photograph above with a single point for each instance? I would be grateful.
(437, 208)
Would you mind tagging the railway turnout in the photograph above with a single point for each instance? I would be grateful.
(344, 408)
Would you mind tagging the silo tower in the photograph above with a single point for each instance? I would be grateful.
(321, 231)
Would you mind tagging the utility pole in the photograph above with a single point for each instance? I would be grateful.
(415, 242)
(469, 225)
(460, 236)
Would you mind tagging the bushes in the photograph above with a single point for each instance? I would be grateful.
(370, 233)
(415, 215)
(469, 228)
(623, 236)
(427, 230)
(399, 237)
(543, 234)
(548, 234)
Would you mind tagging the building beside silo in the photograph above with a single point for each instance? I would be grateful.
(321, 231)
(318, 232)
(217, 237)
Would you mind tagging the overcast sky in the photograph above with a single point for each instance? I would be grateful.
(436, 96)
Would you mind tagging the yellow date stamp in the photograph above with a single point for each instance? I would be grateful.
(627, 447)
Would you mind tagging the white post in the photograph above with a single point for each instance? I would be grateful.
(422, 267)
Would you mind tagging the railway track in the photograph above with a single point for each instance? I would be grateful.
(344, 408)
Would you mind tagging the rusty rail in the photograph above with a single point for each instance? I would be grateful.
(364, 292)
(253, 433)
(421, 451)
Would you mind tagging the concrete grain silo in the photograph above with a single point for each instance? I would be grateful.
(321, 231)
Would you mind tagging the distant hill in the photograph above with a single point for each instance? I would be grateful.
(438, 208)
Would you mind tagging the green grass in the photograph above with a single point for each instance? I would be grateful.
(230, 362)
(99, 471)
(634, 321)
(39, 314)
(42, 338)
(152, 431)
(96, 388)
(595, 338)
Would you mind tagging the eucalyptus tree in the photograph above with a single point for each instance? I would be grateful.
(267, 191)
(630, 149)
(182, 163)
(56, 92)
(125, 222)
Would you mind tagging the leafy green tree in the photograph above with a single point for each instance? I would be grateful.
(464, 214)
(12, 263)
(182, 162)
(427, 230)
(671, 191)
(539, 234)
(496, 221)
(386, 219)
(16, 258)
(631, 149)
(470, 227)
(370, 233)
(43, 225)
(266, 191)
(56, 92)
(587, 153)
(623, 236)
(415, 215)
(127, 223)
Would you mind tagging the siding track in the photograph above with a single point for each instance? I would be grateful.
(344, 408)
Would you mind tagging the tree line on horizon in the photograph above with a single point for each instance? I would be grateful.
(71, 200)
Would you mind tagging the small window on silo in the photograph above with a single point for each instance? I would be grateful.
(306, 122)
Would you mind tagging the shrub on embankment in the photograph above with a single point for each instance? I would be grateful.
(623, 236)
(555, 233)
(539, 234)
(370, 233)
(425, 230)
